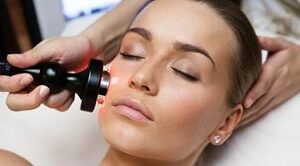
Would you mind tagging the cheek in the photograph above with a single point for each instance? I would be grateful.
(119, 75)
(184, 116)
(189, 115)
(117, 79)
(189, 108)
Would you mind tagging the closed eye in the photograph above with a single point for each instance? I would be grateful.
(185, 75)
(131, 57)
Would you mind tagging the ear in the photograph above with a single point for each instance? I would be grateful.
(227, 127)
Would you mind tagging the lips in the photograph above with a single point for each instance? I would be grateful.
(133, 109)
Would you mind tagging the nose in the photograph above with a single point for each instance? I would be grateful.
(145, 80)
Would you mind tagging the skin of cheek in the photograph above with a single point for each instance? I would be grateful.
(182, 121)
(185, 116)
(135, 137)
(188, 122)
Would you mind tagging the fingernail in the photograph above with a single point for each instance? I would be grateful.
(260, 94)
(14, 55)
(44, 91)
(249, 103)
(25, 80)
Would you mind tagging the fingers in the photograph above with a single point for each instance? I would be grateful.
(273, 86)
(29, 58)
(274, 89)
(256, 110)
(262, 85)
(268, 100)
(15, 83)
(60, 101)
(273, 44)
(66, 105)
(27, 101)
(274, 102)
(44, 51)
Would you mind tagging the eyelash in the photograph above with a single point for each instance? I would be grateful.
(185, 75)
(131, 57)
(181, 73)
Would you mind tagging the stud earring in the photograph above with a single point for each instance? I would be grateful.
(216, 140)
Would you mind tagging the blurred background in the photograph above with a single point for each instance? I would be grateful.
(44, 136)
(24, 23)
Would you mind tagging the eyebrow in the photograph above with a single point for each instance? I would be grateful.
(191, 48)
(142, 32)
(178, 45)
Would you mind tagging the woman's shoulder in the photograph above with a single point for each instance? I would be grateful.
(12, 159)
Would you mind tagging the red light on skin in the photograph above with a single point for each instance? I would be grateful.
(101, 99)
(84, 62)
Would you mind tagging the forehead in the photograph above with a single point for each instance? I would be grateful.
(189, 22)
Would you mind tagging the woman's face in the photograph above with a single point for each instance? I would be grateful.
(172, 66)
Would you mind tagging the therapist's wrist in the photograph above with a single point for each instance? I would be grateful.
(109, 28)
(104, 46)
(95, 41)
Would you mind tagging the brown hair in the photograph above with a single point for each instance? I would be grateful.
(246, 64)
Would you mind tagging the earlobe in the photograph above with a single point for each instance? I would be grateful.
(227, 127)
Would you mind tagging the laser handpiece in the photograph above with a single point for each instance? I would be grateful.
(87, 84)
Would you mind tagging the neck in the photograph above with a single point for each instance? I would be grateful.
(116, 157)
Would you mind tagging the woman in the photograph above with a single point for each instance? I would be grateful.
(178, 82)
(101, 40)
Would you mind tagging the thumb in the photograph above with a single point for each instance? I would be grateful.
(273, 44)
(29, 58)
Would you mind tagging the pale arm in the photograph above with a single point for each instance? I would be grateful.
(106, 32)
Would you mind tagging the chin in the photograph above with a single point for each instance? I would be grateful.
(131, 137)
(139, 139)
